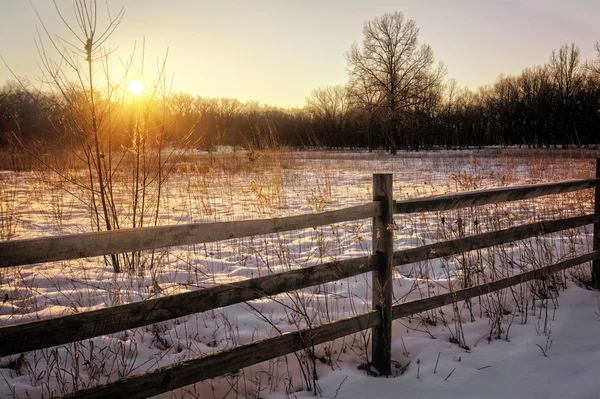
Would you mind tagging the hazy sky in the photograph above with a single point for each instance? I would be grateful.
(276, 52)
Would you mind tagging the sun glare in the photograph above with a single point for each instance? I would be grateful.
(136, 87)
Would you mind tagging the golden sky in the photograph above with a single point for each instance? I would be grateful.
(277, 52)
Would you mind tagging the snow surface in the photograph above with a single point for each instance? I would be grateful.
(510, 363)
(498, 369)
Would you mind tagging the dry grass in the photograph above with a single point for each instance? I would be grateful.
(254, 184)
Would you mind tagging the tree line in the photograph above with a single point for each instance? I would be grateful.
(396, 98)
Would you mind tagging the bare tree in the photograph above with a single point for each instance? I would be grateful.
(566, 72)
(329, 107)
(82, 56)
(535, 101)
(594, 65)
(94, 108)
(362, 97)
(393, 64)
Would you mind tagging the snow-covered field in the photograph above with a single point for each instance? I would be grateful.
(536, 340)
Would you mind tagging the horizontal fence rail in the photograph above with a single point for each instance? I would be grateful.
(485, 240)
(201, 368)
(75, 246)
(491, 196)
(219, 363)
(421, 305)
(61, 330)
(76, 327)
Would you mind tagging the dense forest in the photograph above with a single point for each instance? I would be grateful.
(396, 97)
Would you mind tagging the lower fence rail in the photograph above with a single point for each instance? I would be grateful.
(61, 330)
(201, 368)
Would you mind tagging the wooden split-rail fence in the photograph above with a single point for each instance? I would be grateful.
(20, 338)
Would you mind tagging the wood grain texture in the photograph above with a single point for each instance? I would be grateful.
(198, 369)
(491, 196)
(479, 241)
(61, 330)
(421, 305)
(382, 287)
(48, 249)
(45, 333)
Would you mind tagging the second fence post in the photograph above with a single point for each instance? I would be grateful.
(383, 248)
(596, 263)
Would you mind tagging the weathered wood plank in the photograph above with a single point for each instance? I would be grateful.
(498, 237)
(61, 330)
(216, 364)
(36, 335)
(490, 196)
(421, 305)
(48, 249)
(202, 368)
(383, 248)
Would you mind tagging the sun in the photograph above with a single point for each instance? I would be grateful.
(136, 87)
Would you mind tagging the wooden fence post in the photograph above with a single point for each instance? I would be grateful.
(596, 263)
(383, 248)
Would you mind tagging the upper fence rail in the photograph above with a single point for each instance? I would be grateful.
(491, 196)
(75, 246)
